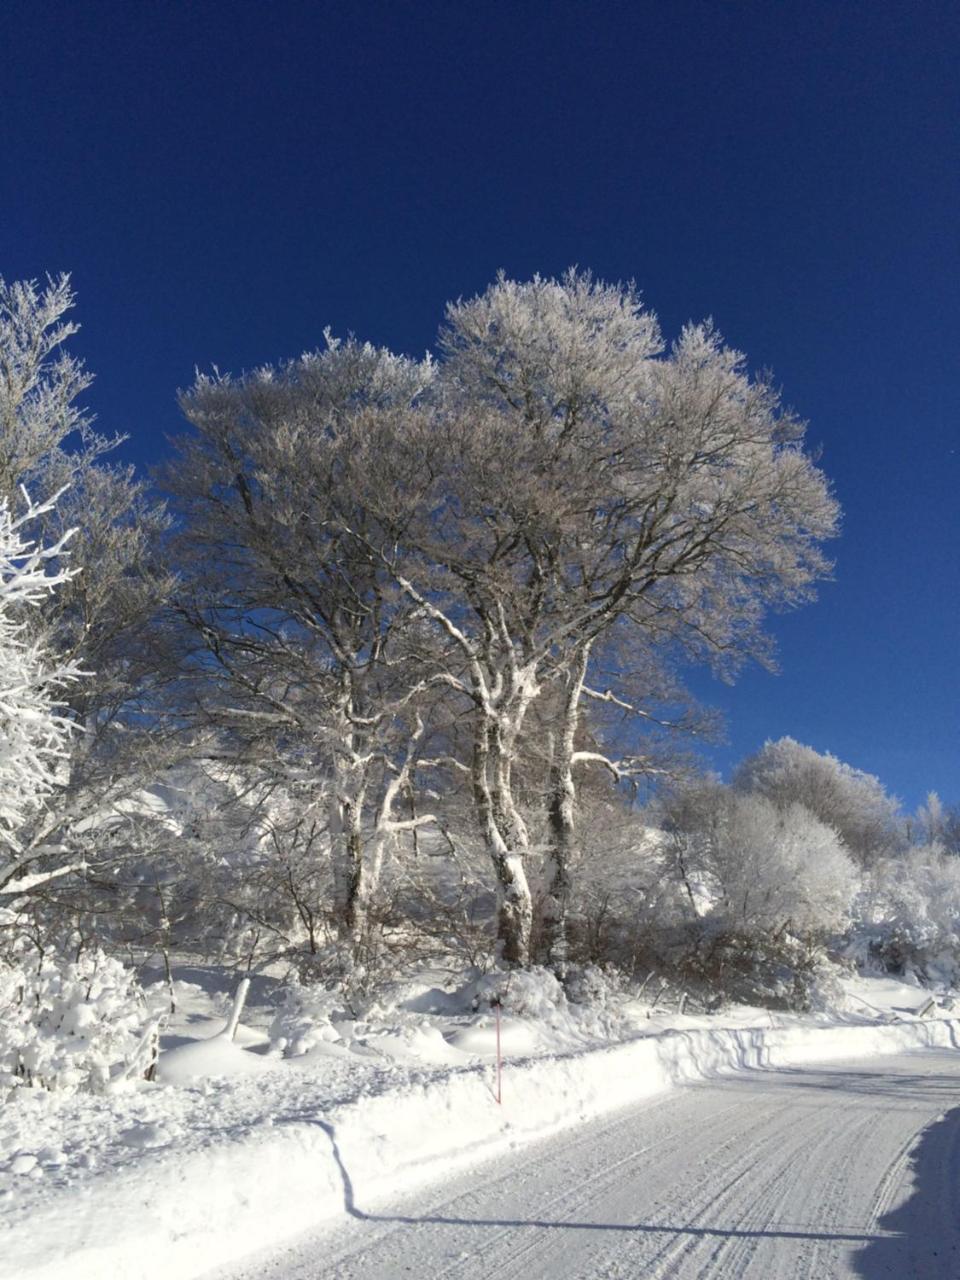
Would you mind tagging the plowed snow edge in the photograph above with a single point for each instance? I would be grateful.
(183, 1215)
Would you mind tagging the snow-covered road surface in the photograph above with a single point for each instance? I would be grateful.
(845, 1170)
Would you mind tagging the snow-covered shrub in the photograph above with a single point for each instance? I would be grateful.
(303, 1020)
(909, 914)
(765, 889)
(626, 891)
(204, 870)
(712, 960)
(73, 1025)
(529, 993)
(591, 984)
(586, 1007)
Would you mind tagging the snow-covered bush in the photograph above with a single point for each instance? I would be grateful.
(765, 888)
(304, 1019)
(909, 914)
(626, 890)
(529, 993)
(718, 963)
(73, 1025)
(589, 1009)
(591, 984)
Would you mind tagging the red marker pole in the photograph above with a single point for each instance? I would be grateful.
(496, 1006)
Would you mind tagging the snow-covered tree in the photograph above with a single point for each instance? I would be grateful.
(99, 618)
(936, 823)
(909, 913)
(296, 638)
(761, 893)
(35, 735)
(761, 869)
(855, 804)
(478, 530)
(48, 445)
(575, 478)
(779, 870)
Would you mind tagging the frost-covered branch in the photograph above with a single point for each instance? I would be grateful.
(34, 734)
(630, 767)
(23, 884)
(610, 697)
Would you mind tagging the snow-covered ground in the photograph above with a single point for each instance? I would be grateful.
(235, 1149)
(772, 1175)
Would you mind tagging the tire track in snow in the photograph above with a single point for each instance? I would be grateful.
(595, 1183)
(701, 1243)
(509, 1243)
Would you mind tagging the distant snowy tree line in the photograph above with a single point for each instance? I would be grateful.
(388, 660)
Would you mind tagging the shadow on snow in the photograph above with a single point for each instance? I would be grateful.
(921, 1237)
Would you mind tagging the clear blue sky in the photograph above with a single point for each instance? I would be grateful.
(224, 179)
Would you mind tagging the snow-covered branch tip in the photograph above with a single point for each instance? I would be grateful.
(410, 824)
(23, 884)
(610, 697)
(628, 769)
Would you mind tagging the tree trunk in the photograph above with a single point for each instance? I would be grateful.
(506, 845)
(514, 911)
(562, 823)
(346, 837)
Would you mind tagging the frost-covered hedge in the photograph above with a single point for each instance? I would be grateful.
(77, 1025)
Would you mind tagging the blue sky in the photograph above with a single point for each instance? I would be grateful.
(223, 180)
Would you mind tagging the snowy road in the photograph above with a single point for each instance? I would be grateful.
(846, 1170)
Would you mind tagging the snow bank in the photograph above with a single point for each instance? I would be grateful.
(217, 1056)
(182, 1214)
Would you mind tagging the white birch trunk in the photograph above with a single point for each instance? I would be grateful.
(514, 901)
(501, 822)
(346, 834)
(562, 822)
